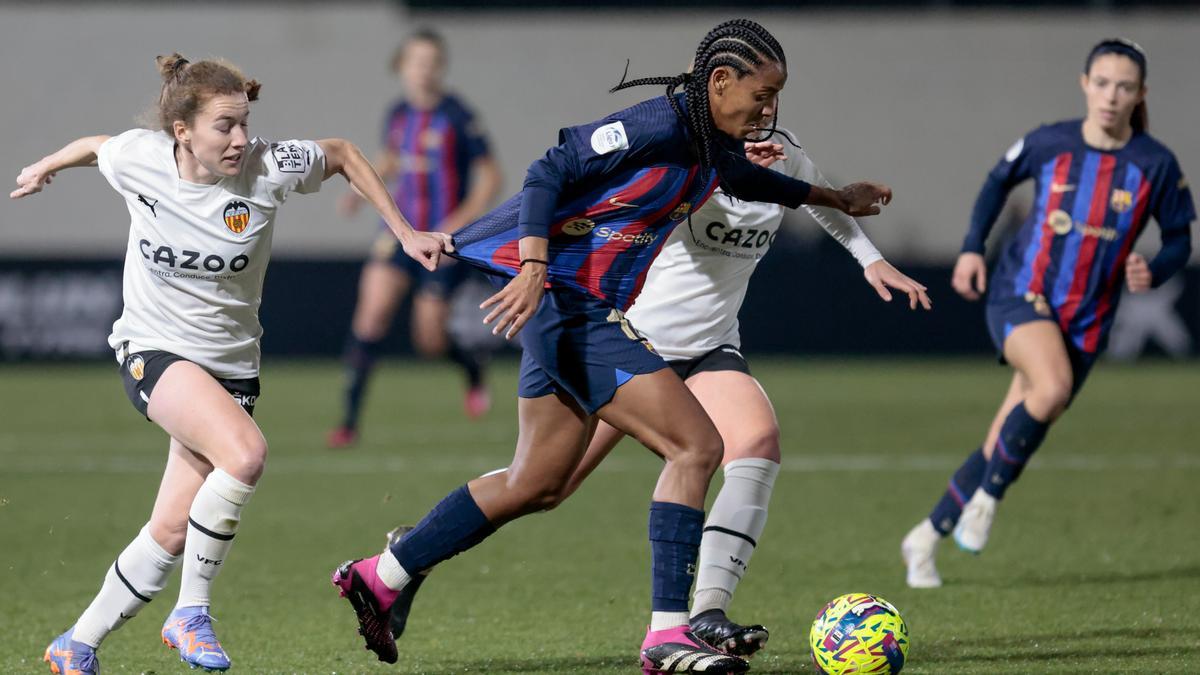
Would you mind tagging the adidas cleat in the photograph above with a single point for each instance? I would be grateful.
(372, 601)
(189, 629)
(971, 533)
(918, 550)
(677, 650)
(716, 630)
(68, 657)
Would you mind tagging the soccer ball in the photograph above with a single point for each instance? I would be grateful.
(858, 633)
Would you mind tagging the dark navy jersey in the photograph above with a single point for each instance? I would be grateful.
(607, 196)
(1090, 207)
(435, 149)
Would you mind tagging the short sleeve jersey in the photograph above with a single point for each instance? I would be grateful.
(1089, 209)
(630, 178)
(197, 254)
(435, 149)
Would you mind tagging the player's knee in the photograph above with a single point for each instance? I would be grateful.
(703, 452)
(536, 493)
(248, 457)
(170, 535)
(1050, 396)
(762, 444)
(430, 344)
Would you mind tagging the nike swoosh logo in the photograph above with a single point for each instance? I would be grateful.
(1061, 187)
(617, 202)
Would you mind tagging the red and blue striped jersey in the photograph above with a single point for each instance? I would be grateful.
(1089, 208)
(619, 186)
(435, 149)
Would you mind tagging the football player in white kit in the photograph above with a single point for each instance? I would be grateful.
(688, 310)
(202, 197)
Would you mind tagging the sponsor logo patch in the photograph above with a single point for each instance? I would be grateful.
(290, 157)
(578, 227)
(1059, 221)
(609, 137)
(237, 216)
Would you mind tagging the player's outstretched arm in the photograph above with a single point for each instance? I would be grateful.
(344, 157)
(80, 152)
(515, 304)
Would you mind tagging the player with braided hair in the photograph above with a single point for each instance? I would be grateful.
(575, 246)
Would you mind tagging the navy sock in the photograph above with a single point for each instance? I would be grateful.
(470, 362)
(360, 359)
(1019, 438)
(675, 532)
(453, 526)
(963, 484)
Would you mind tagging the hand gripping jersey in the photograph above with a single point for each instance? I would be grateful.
(1090, 207)
(696, 286)
(197, 254)
(607, 196)
(435, 149)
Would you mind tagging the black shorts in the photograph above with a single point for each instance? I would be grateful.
(725, 357)
(141, 370)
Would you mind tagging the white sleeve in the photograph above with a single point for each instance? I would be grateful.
(293, 166)
(110, 156)
(840, 226)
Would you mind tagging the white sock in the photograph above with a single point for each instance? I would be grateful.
(390, 572)
(212, 522)
(734, 526)
(665, 620)
(137, 575)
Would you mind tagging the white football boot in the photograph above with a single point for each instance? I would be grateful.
(918, 549)
(971, 533)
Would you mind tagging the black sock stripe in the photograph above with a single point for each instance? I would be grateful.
(205, 530)
(139, 596)
(732, 533)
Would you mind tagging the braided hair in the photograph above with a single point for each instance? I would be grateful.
(739, 44)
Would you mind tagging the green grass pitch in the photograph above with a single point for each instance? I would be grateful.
(1094, 564)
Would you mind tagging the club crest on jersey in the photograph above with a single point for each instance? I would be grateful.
(137, 367)
(681, 211)
(431, 139)
(577, 227)
(1121, 200)
(1060, 221)
(237, 216)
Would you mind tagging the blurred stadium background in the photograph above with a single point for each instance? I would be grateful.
(923, 96)
(1096, 572)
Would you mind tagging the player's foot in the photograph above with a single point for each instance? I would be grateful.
(677, 650)
(341, 437)
(477, 402)
(68, 657)
(372, 600)
(917, 550)
(971, 533)
(189, 629)
(718, 631)
(398, 616)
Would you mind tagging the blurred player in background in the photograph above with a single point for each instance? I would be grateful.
(202, 197)
(1054, 292)
(575, 245)
(689, 312)
(443, 176)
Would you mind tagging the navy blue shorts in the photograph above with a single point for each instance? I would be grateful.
(441, 282)
(1006, 313)
(581, 346)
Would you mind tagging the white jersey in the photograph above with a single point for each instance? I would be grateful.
(695, 288)
(197, 254)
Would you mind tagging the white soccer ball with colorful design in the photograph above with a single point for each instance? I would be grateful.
(858, 633)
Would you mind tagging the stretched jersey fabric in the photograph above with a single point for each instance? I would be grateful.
(197, 254)
(696, 286)
(435, 149)
(607, 196)
(1090, 207)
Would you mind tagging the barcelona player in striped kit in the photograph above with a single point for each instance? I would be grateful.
(574, 249)
(443, 175)
(1052, 298)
